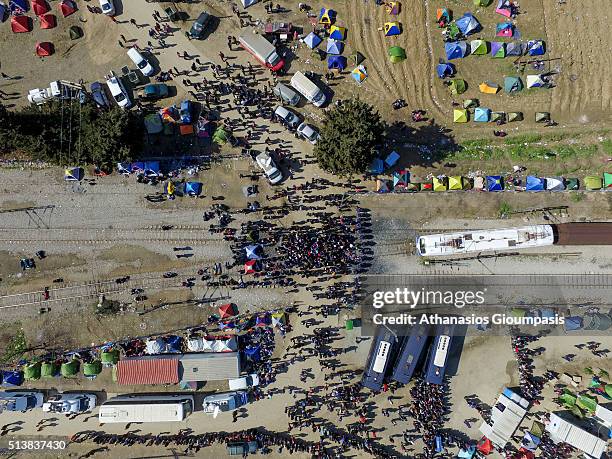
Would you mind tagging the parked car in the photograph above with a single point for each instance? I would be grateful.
(41, 254)
(199, 26)
(70, 403)
(286, 116)
(107, 7)
(308, 132)
(138, 59)
(27, 263)
(185, 112)
(267, 164)
(169, 275)
(98, 95)
(118, 92)
(154, 91)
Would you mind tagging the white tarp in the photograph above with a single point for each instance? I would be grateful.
(247, 3)
(155, 346)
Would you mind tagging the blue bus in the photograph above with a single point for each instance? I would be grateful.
(411, 353)
(381, 355)
(438, 354)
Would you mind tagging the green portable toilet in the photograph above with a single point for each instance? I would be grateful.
(70, 369)
(31, 372)
(349, 324)
(110, 357)
(92, 369)
(49, 369)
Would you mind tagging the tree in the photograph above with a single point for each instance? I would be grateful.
(348, 137)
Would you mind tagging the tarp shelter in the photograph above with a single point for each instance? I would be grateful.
(498, 49)
(159, 369)
(512, 84)
(468, 24)
(49, 369)
(67, 7)
(443, 14)
(392, 158)
(514, 48)
(470, 103)
(2, 12)
(504, 29)
(401, 178)
(572, 183)
(312, 40)
(393, 8)
(249, 267)
(457, 86)
(530, 442)
(396, 54)
(253, 353)
(495, 183)
(460, 116)
(479, 47)
(534, 183)
(40, 7)
(47, 21)
(535, 81)
(535, 47)
(186, 129)
(334, 46)
(542, 117)
(12, 378)
(153, 123)
(377, 166)
(21, 24)
(359, 74)
(109, 357)
(439, 184)
(220, 137)
(151, 168)
(445, 69)
(592, 182)
(515, 116)
(392, 28)
(73, 174)
(138, 167)
(455, 182)
(455, 49)
(92, 369)
(573, 323)
(607, 178)
(44, 49)
(253, 251)
(554, 184)
(382, 186)
(70, 369)
(193, 188)
(155, 346)
(227, 310)
(327, 16)
(485, 446)
(488, 88)
(357, 58)
(247, 3)
(18, 6)
(587, 403)
(482, 115)
(336, 62)
(504, 7)
(337, 32)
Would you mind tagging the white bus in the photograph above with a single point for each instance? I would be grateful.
(146, 408)
(442, 351)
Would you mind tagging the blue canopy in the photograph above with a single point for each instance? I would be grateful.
(138, 166)
(336, 62)
(193, 188)
(18, 6)
(534, 183)
(124, 168)
(467, 453)
(468, 24)
(445, 70)
(12, 378)
(455, 49)
(392, 158)
(482, 115)
(253, 353)
(573, 323)
(494, 183)
(312, 40)
(173, 343)
(377, 166)
(334, 46)
(535, 47)
(151, 168)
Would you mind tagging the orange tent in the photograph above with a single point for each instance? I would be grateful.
(488, 88)
(44, 49)
(47, 21)
(40, 7)
(485, 446)
(227, 310)
(21, 24)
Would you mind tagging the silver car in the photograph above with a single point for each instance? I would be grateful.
(308, 132)
(287, 116)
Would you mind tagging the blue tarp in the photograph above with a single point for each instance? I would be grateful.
(151, 168)
(535, 47)
(12, 378)
(124, 168)
(377, 166)
(173, 343)
(467, 453)
(455, 49)
(534, 183)
(392, 158)
(482, 115)
(334, 46)
(336, 62)
(445, 70)
(193, 188)
(138, 167)
(494, 183)
(573, 323)
(17, 5)
(253, 353)
(468, 24)
(312, 40)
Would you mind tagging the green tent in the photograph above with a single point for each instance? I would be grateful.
(496, 116)
(470, 103)
(453, 31)
(512, 84)
(607, 180)
(482, 2)
(110, 357)
(49, 369)
(457, 86)
(568, 400)
(537, 428)
(396, 54)
(593, 182)
(220, 136)
(577, 412)
(500, 50)
(92, 369)
(572, 184)
(31, 372)
(609, 389)
(479, 47)
(542, 117)
(70, 369)
(75, 32)
(515, 116)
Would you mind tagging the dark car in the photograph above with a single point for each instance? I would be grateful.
(154, 91)
(99, 95)
(169, 275)
(199, 25)
(27, 263)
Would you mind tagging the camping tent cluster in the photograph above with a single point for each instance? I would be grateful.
(496, 49)
(180, 189)
(471, 110)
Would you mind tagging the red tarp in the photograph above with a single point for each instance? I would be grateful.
(227, 310)
(40, 7)
(485, 446)
(67, 7)
(155, 370)
(20, 24)
(47, 21)
(44, 49)
(249, 267)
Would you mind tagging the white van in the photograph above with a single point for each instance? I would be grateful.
(142, 64)
(308, 89)
(244, 383)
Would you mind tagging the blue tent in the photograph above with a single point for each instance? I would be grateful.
(253, 353)
(482, 115)
(124, 168)
(193, 188)
(535, 47)
(468, 24)
(392, 28)
(173, 343)
(334, 46)
(534, 183)
(495, 183)
(12, 378)
(138, 167)
(336, 62)
(573, 323)
(392, 158)
(455, 49)
(514, 48)
(445, 70)
(377, 166)
(312, 40)
(19, 6)
(151, 168)
(467, 453)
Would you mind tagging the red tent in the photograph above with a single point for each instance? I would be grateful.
(227, 310)
(47, 21)
(249, 267)
(485, 446)
(20, 24)
(40, 7)
(524, 454)
(68, 7)
(44, 49)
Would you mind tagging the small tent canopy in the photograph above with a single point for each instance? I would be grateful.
(455, 49)
(193, 188)
(496, 116)
(534, 183)
(253, 353)
(554, 184)
(439, 184)
(359, 74)
(457, 86)
(40, 7)
(279, 318)
(498, 49)
(382, 186)
(392, 158)
(495, 183)
(138, 167)
(572, 183)
(357, 58)
(514, 48)
(12, 378)
(44, 49)
(482, 115)
(542, 117)
(445, 69)
(488, 88)
(504, 7)
(592, 182)
(155, 346)
(515, 116)
(21, 24)
(393, 8)
(249, 266)
(443, 14)
(469, 452)
(49, 369)
(47, 21)
(334, 46)
(479, 183)
(504, 29)
(312, 40)
(377, 166)
(535, 81)
(67, 7)
(337, 32)
(70, 369)
(247, 3)
(455, 182)
(485, 446)
(18, 6)
(468, 24)
(73, 174)
(512, 84)
(336, 62)
(253, 252)
(460, 116)
(396, 54)
(110, 357)
(453, 31)
(479, 47)
(327, 16)
(151, 168)
(607, 180)
(392, 28)
(220, 136)
(401, 178)
(92, 369)
(470, 103)
(227, 310)
(536, 47)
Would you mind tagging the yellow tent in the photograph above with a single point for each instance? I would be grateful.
(455, 182)
(488, 88)
(460, 116)
(439, 185)
(337, 32)
(170, 188)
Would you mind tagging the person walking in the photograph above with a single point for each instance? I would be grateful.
(222, 57)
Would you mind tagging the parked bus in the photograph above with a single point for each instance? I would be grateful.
(146, 408)
(262, 50)
(381, 356)
(438, 354)
(411, 353)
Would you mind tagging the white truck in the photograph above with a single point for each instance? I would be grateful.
(59, 89)
(70, 403)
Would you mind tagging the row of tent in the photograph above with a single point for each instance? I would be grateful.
(20, 23)
(192, 189)
(485, 115)
(497, 49)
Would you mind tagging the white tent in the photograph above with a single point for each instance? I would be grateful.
(535, 81)
(555, 184)
(247, 3)
(251, 252)
(155, 346)
(195, 344)
(224, 345)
